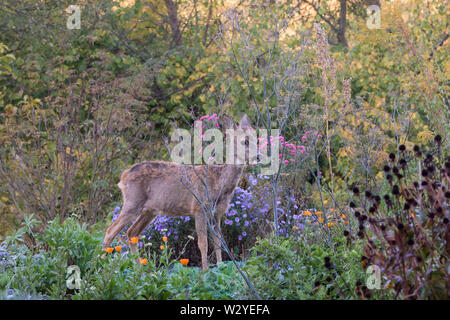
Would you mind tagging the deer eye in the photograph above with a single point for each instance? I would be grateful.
(246, 143)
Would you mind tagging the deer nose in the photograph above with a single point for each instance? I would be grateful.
(258, 158)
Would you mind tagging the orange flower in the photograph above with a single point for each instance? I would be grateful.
(143, 261)
(109, 250)
(330, 224)
(134, 240)
(343, 216)
(318, 213)
(346, 222)
(118, 248)
(331, 210)
(307, 213)
(320, 219)
(184, 262)
(162, 247)
(295, 228)
(165, 239)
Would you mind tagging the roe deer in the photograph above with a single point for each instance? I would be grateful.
(154, 188)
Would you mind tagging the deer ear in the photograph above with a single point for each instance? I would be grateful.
(245, 122)
(227, 122)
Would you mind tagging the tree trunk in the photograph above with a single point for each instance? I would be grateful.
(342, 23)
(172, 11)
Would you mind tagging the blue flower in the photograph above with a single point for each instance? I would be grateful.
(252, 180)
(228, 222)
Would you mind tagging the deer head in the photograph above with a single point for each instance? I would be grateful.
(241, 141)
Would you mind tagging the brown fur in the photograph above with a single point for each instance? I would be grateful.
(155, 188)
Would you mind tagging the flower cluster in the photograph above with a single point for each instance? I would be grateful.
(289, 152)
(3, 252)
(214, 119)
(162, 226)
(250, 212)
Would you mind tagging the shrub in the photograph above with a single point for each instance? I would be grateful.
(407, 233)
(74, 239)
(289, 269)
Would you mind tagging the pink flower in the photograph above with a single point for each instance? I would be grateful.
(304, 138)
(286, 161)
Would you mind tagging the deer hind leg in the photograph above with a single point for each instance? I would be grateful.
(202, 239)
(126, 216)
(216, 242)
(138, 226)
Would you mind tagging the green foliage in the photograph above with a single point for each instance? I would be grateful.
(288, 269)
(74, 239)
(41, 270)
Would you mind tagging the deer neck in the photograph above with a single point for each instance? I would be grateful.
(232, 174)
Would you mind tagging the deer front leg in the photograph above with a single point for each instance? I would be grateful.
(217, 244)
(200, 228)
(125, 217)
